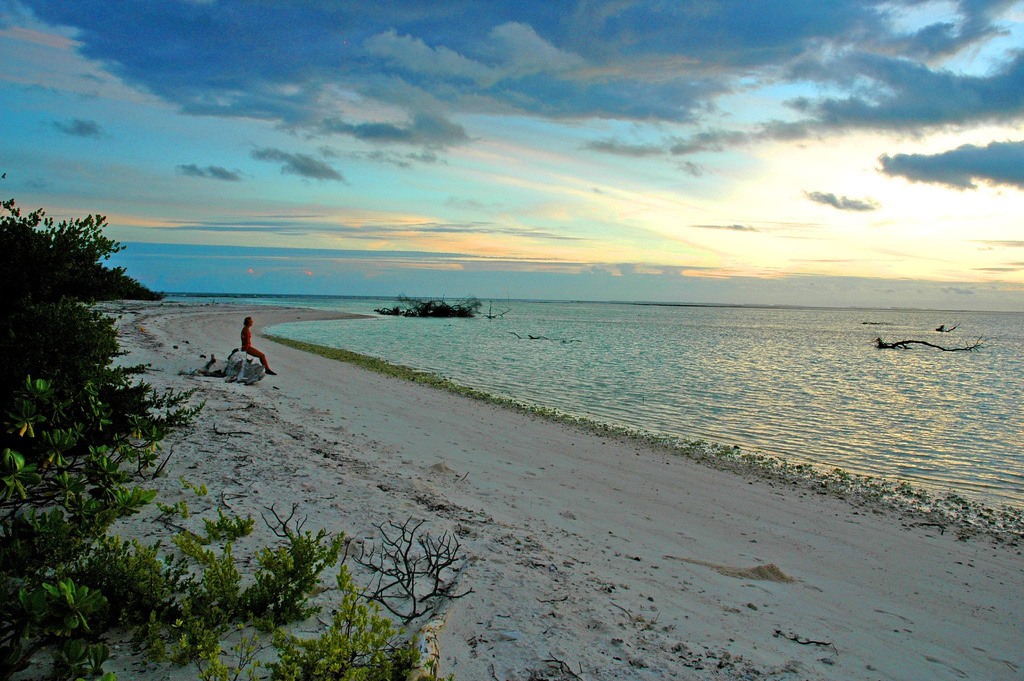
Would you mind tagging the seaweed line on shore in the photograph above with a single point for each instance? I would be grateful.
(1004, 526)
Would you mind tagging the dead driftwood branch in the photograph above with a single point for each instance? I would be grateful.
(942, 328)
(556, 340)
(804, 641)
(408, 569)
(218, 431)
(942, 528)
(492, 314)
(282, 526)
(905, 345)
(563, 667)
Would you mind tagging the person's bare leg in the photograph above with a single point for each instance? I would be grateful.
(262, 358)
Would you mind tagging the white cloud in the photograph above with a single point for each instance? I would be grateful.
(524, 52)
(415, 55)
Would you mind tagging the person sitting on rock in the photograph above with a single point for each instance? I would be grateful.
(250, 350)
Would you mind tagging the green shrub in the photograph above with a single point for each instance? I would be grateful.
(288, 576)
(48, 273)
(360, 644)
(73, 443)
(68, 343)
(230, 529)
(136, 581)
(68, 480)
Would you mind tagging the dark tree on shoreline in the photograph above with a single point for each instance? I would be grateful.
(412, 307)
(50, 274)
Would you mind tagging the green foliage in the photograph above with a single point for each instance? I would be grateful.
(135, 579)
(200, 489)
(68, 479)
(62, 340)
(213, 668)
(360, 644)
(288, 576)
(74, 440)
(210, 601)
(178, 509)
(48, 273)
(51, 611)
(76, 658)
(229, 529)
(181, 509)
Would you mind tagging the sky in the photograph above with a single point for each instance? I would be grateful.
(793, 152)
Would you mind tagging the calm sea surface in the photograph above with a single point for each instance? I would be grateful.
(803, 384)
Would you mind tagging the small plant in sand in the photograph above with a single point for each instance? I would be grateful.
(359, 644)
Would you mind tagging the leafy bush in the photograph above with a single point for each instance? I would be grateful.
(360, 644)
(67, 481)
(49, 273)
(135, 579)
(287, 576)
(64, 341)
(74, 438)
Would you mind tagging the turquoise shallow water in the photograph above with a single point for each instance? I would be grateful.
(803, 384)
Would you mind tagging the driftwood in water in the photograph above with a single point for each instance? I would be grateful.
(491, 314)
(942, 328)
(905, 344)
(557, 340)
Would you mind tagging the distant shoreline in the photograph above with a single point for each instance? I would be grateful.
(642, 303)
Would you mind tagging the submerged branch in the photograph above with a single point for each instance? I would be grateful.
(557, 340)
(491, 314)
(905, 344)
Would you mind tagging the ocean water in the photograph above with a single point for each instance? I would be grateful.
(807, 385)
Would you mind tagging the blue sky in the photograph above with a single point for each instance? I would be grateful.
(795, 152)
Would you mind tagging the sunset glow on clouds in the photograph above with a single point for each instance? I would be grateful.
(845, 153)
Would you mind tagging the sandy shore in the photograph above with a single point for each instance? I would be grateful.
(591, 556)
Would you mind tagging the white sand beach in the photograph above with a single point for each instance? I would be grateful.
(591, 556)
